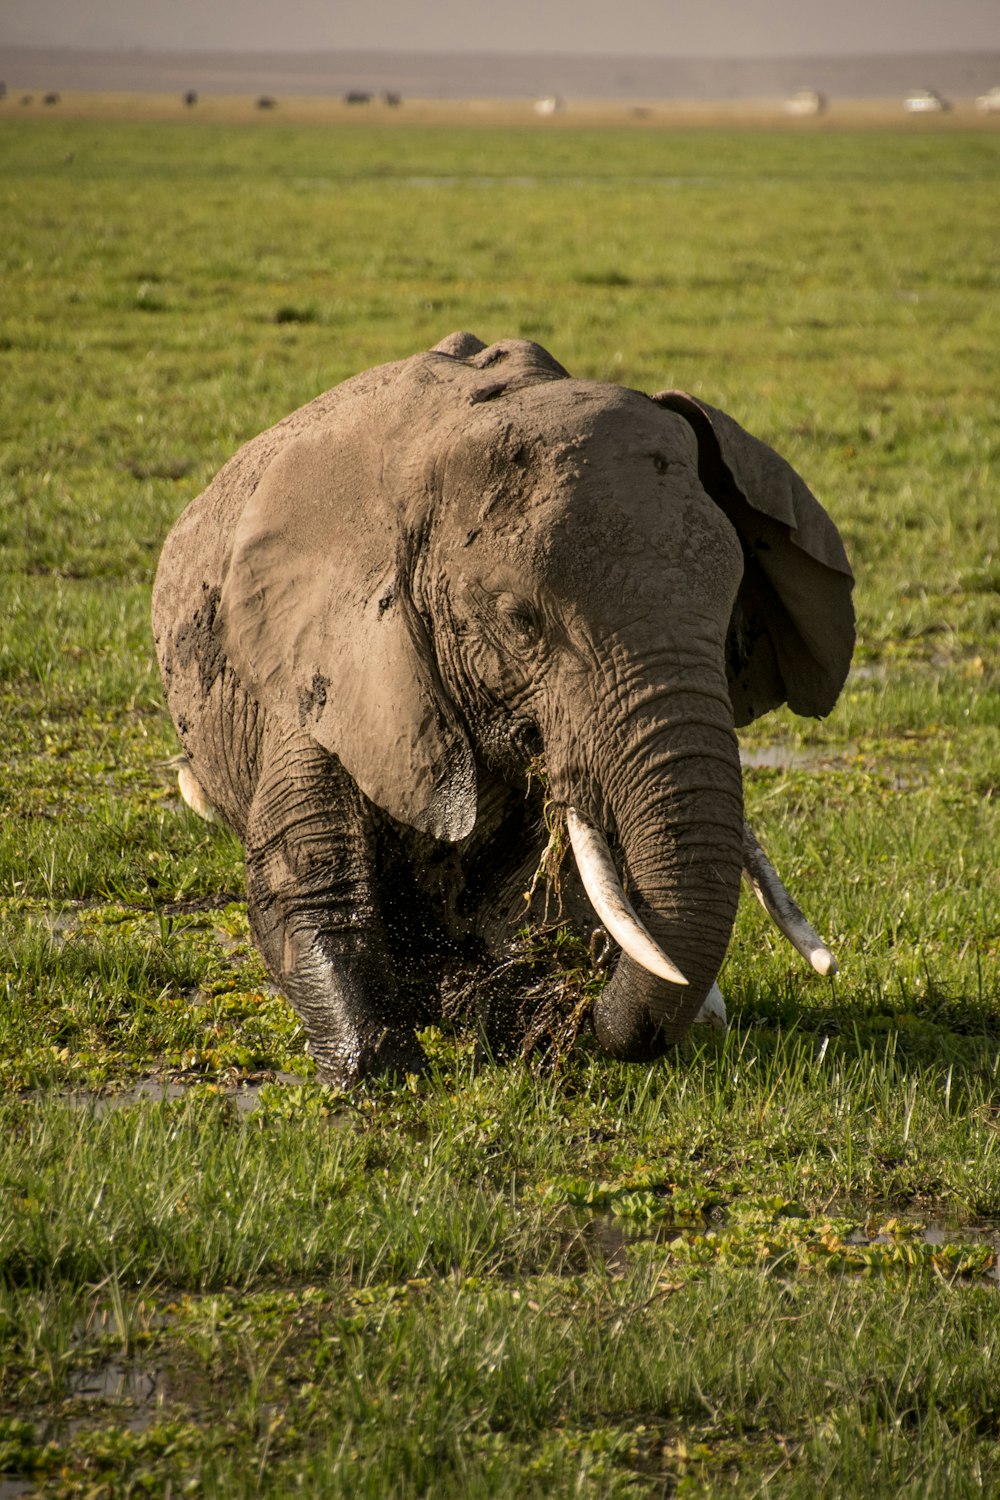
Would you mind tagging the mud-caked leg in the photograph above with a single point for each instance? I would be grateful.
(314, 911)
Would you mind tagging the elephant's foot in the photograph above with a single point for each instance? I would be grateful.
(344, 1062)
(351, 1013)
(357, 1025)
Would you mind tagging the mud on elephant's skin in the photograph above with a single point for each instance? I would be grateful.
(387, 607)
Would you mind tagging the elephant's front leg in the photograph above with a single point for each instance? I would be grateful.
(314, 911)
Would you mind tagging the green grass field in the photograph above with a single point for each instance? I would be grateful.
(767, 1265)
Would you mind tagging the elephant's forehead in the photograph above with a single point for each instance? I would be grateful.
(581, 484)
(575, 442)
(593, 532)
(568, 454)
(575, 412)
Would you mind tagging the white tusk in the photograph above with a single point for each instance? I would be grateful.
(713, 1010)
(763, 880)
(193, 793)
(601, 882)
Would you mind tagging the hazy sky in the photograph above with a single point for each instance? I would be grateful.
(696, 28)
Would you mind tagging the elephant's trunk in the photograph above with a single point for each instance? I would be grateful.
(677, 805)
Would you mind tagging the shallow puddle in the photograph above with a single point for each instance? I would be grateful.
(119, 1392)
(787, 758)
(244, 1098)
(119, 1381)
(938, 1233)
(610, 1237)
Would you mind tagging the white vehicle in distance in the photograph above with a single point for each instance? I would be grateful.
(805, 102)
(924, 102)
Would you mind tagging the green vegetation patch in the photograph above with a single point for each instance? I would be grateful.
(767, 1264)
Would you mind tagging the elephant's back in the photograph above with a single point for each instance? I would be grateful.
(198, 546)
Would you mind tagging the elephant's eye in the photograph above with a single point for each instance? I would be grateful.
(519, 619)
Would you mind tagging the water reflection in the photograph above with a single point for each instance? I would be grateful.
(787, 758)
(610, 1239)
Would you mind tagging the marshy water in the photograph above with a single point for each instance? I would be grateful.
(612, 1238)
(788, 758)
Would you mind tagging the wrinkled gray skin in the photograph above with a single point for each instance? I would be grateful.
(386, 606)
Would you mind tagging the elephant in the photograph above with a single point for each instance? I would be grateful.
(456, 590)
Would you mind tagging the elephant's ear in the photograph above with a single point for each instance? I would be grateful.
(317, 618)
(791, 636)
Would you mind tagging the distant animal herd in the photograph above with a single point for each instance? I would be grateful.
(804, 101)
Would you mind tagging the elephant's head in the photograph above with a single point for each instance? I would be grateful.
(481, 559)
